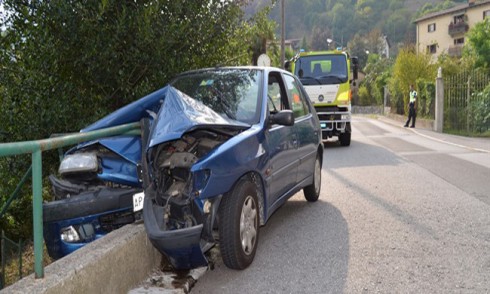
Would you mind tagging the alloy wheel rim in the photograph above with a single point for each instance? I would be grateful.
(248, 225)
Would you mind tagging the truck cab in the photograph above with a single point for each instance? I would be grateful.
(327, 78)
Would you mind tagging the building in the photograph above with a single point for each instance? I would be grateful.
(444, 31)
(292, 44)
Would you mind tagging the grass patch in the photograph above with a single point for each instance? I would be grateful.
(13, 264)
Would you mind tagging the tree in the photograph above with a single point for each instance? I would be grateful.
(378, 72)
(374, 41)
(66, 63)
(479, 44)
(319, 39)
(357, 47)
(261, 32)
(408, 68)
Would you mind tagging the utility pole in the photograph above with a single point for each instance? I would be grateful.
(283, 28)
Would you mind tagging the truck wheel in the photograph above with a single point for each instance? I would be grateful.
(344, 138)
(312, 192)
(239, 225)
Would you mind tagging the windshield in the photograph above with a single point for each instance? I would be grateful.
(322, 69)
(232, 93)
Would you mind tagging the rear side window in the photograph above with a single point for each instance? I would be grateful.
(296, 97)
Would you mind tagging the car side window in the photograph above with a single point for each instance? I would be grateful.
(275, 100)
(296, 98)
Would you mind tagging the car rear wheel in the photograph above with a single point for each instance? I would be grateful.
(312, 192)
(239, 225)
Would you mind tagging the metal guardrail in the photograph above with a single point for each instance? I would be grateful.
(35, 148)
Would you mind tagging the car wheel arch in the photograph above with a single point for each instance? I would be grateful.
(257, 179)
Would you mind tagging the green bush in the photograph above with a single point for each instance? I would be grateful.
(364, 96)
(426, 98)
(479, 112)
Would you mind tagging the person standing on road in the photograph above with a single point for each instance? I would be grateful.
(412, 109)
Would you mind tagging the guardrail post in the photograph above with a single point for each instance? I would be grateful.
(2, 254)
(439, 111)
(37, 212)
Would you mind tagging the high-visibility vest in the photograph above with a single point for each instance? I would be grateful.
(413, 96)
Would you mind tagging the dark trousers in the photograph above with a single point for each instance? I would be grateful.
(412, 114)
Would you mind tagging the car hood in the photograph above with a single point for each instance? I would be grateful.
(181, 113)
(133, 112)
(172, 112)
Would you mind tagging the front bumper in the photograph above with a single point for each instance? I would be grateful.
(183, 247)
(333, 123)
(104, 209)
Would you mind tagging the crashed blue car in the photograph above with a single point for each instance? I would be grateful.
(220, 150)
(228, 147)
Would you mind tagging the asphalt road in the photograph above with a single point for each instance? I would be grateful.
(399, 212)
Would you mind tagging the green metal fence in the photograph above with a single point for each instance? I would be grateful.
(464, 109)
(35, 148)
(9, 249)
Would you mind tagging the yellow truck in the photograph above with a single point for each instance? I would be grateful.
(327, 78)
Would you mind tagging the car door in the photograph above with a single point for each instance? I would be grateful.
(306, 128)
(282, 166)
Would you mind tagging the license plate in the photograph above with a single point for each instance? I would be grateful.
(323, 125)
(138, 200)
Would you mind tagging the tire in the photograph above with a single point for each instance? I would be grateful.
(344, 138)
(312, 192)
(239, 225)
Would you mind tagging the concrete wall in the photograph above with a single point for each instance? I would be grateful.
(367, 109)
(113, 264)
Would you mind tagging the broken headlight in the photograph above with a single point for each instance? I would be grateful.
(77, 234)
(79, 162)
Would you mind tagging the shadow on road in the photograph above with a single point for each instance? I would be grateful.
(304, 248)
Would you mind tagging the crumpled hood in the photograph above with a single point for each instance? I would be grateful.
(177, 114)
(132, 112)
(181, 113)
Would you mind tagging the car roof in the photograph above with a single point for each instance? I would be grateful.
(266, 69)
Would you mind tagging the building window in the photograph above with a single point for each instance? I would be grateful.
(486, 14)
(431, 27)
(459, 41)
(459, 18)
(432, 49)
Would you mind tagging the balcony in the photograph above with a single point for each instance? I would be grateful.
(458, 28)
(455, 51)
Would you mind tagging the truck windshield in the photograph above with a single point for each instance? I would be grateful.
(322, 69)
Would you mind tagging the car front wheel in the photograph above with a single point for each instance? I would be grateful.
(239, 225)
(312, 192)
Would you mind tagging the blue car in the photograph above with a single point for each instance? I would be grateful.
(227, 148)
(220, 150)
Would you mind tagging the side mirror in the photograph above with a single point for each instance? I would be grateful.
(283, 117)
(355, 67)
(287, 65)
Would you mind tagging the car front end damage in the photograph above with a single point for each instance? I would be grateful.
(89, 200)
(178, 221)
(97, 181)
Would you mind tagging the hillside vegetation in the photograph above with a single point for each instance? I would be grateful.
(342, 20)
